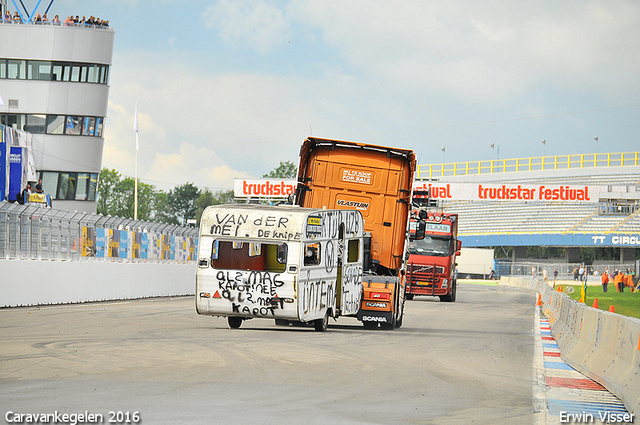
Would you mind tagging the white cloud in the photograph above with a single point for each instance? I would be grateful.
(484, 52)
(256, 24)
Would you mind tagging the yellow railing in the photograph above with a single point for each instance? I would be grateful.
(559, 162)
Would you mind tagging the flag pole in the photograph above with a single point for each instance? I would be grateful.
(135, 189)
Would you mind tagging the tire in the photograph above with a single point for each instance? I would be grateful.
(408, 296)
(399, 319)
(282, 322)
(234, 322)
(452, 296)
(370, 325)
(321, 325)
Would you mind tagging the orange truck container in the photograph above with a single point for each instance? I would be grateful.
(377, 181)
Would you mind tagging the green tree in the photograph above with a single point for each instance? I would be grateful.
(207, 198)
(286, 170)
(162, 211)
(107, 183)
(182, 202)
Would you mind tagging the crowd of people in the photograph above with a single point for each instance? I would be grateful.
(620, 279)
(69, 21)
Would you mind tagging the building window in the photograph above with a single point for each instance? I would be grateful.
(16, 69)
(50, 182)
(55, 124)
(69, 186)
(19, 69)
(39, 70)
(35, 124)
(74, 126)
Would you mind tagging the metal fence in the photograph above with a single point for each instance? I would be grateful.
(32, 231)
(565, 270)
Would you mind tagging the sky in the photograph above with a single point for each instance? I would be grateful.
(228, 89)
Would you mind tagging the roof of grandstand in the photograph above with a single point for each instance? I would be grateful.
(610, 216)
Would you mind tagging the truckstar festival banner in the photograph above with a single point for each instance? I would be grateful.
(264, 188)
(281, 188)
(509, 192)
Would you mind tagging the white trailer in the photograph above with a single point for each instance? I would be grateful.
(475, 262)
(286, 263)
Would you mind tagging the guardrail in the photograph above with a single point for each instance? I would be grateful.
(603, 346)
(32, 231)
(528, 164)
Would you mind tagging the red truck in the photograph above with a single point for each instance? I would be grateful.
(431, 267)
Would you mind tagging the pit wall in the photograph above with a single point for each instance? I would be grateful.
(601, 345)
(34, 282)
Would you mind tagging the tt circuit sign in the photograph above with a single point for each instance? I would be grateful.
(620, 240)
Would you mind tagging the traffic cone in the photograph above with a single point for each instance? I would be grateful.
(560, 288)
(612, 309)
(595, 303)
(539, 300)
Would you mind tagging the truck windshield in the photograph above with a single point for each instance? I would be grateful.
(440, 247)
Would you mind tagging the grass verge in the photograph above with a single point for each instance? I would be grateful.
(626, 303)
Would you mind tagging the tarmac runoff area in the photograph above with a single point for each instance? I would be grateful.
(155, 361)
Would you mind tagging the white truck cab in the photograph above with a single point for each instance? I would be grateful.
(286, 263)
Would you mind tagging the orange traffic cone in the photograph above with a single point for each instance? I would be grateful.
(560, 289)
(595, 303)
(539, 300)
(612, 309)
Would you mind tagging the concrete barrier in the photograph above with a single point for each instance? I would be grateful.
(37, 282)
(603, 346)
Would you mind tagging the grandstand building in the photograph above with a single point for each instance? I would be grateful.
(570, 202)
(54, 82)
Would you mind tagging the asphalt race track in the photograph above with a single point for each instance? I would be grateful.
(451, 363)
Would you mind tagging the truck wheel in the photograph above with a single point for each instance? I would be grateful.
(389, 326)
(399, 319)
(320, 325)
(409, 296)
(370, 325)
(282, 322)
(234, 322)
(452, 296)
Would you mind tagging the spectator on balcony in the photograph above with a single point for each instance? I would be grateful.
(56, 20)
(16, 18)
(45, 20)
(69, 21)
(7, 17)
(38, 19)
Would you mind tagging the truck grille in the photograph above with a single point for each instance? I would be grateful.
(423, 273)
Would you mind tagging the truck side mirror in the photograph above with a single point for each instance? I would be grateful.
(420, 230)
(458, 247)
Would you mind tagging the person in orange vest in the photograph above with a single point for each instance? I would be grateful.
(619, 280)
(605, 281)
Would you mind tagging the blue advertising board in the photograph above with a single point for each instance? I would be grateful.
(17, 171)
(4, 162)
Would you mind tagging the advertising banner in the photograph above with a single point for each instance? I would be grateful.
(144, 245)
(136, 244)
(124, 244)
(88, 242)
(264, 188)
(114, 243)
(508, 192)
(101, 242)
(17, 172)
(4, 167)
